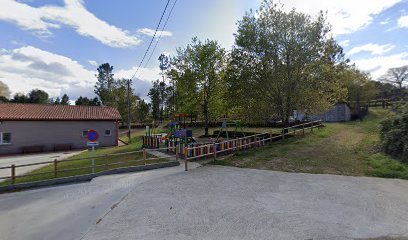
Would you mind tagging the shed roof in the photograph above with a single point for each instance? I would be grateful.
(48, 112)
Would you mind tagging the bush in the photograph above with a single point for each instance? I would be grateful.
(394, 135)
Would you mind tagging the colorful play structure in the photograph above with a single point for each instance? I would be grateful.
(176, 134)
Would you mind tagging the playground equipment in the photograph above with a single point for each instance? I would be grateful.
(176, 133)
(225, 129)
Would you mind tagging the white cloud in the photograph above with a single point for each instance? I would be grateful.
(403, 22)
(385, 22)
(150, 32)
(93, 63)
(344, 43)
(26, 17)
(73, 14)
(374, 49)
(142, 81)
(346, 16)
(377, 66)
(26, 68)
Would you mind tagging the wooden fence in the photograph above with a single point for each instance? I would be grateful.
(186, 151)
(197, 151)
(111, 161)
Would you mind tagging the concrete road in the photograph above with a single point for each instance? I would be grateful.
(210, 202)
(6, 161)
(67, 212)
(215, 202)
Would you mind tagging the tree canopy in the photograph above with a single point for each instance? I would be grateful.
(4, 90)
(104, 84)
(198, 75)
(284, 61)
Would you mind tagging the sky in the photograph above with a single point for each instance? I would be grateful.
(57, 45)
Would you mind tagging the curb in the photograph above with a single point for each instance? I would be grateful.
(87, 177)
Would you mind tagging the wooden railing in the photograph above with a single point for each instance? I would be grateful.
(109, 159)
(238, 144)
(186, 151)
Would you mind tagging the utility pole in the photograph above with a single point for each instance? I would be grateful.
(164, 64)
(129, 117)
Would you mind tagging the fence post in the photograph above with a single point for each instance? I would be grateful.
(185, 158)
(215, 151)
(283, 133)
(144, 156)
(303, 128)
(177, 152)
(13, 174)
(55, 168)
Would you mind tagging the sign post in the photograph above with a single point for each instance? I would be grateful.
(93, 137)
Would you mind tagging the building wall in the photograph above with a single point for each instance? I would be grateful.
(49, 133)
(339, 113)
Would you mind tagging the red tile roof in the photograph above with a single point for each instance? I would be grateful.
(44, 112)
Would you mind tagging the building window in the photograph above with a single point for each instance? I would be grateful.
(5, 138)
(108, 132)
(85, 133)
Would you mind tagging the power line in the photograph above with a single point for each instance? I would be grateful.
(161, 33)
(151, 41)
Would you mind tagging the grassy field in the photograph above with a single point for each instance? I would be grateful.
(351, 148)
(84, 160)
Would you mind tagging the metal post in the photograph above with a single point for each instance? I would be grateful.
(129, 117)
(283, 133)
(185, 158)
(13, 174)
(93, 159)
(303, 128)
(55, 168)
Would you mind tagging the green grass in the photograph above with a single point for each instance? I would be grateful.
(84, 160)
(351, 148)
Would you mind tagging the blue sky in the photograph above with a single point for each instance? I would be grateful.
(56, 45)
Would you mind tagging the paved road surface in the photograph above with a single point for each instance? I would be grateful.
(6, 161)
(67, 212)
(210, 202)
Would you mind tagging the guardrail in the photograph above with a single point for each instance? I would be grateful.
(104, 162)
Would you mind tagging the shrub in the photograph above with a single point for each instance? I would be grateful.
(394, 135)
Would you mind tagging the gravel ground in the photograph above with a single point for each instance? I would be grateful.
(215, 202)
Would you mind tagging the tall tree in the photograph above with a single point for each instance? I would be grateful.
(38, 96)
(360, 87)
(142, 112)
(87, 102)
(155, 99)
(198, 71)
(57, 101)
(283, 61)
(64, 100)
(120, 100)
(105, 84)
(4, 90)
(397, 76)
(20, 98)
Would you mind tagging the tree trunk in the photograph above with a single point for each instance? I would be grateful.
(206, 118)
